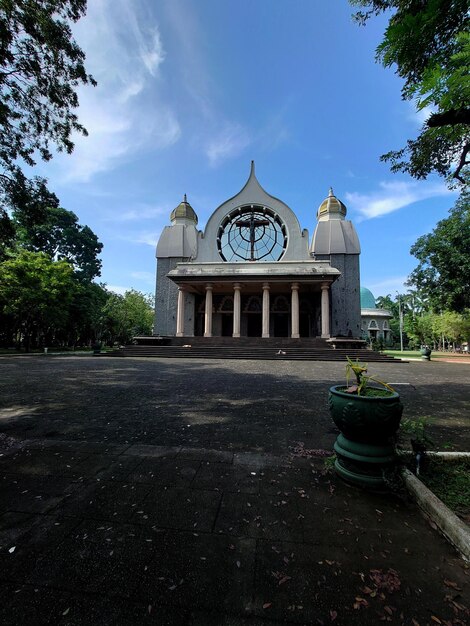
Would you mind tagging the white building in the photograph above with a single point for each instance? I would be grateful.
(254, 271)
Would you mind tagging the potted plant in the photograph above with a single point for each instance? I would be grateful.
(368, 417)
(425, 353)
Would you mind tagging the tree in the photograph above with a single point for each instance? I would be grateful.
(443, 273)
(128, 316)
(35, 294)
(61, 237)
(41, 67)
(428, 42)
(39, 224)
(87, 317)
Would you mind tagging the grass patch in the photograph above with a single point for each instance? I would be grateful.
(405, 354)
(416, 354)
(450, 482)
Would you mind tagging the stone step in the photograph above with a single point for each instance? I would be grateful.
(252, 353)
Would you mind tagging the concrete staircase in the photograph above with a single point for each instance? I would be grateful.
(254, 348)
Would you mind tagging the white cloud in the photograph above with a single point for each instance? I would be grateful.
(388, 286)
(138, 213)
(393, 196)
(228, 143)
(419, 116)
(275, 133)
(118, 289)
(149, 238)
(146, 277)
(122, 114)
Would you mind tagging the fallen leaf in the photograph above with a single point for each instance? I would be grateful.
(66, 611)
(360, 602)
(436, 619)
(284, 579)
(450, 583)
(333, 615)
(11, 550)
(266, 605)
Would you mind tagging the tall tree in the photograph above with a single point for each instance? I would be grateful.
(41, 66)
(128, 315)
(39, 224)
(35, 292)
(443, 273)
(58, 233)
(428, 42)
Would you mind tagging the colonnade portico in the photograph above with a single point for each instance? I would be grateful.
(266, 293)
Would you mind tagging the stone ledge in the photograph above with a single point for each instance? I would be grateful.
(455, 531)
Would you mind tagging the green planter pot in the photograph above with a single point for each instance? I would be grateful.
(426, 354)
(365, 448)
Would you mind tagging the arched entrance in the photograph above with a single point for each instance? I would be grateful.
(226, 313)
(280, 316)
(253, 315)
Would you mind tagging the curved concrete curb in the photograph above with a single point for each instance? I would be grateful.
(450, 525)
(444, 456)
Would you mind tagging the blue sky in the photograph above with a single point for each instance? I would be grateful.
(190, 91)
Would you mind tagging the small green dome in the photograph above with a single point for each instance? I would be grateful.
(185, 211)
(367, 299)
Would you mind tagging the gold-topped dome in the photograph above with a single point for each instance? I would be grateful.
(331, 207)
(184, 211)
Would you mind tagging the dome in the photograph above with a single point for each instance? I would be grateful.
(367, 299)
(331, 207)
(184, 211)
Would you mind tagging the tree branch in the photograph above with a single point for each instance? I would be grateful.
(449, 118)
(462, 163)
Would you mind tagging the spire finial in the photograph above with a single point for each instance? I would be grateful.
(330, 193)
(185, 198)
(252, 170)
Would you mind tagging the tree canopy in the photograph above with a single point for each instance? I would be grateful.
(443, 273)
(129, 315)
(41, 66)
(35, 294)
(428, 42)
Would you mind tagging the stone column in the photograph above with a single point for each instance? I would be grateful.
(180, 313)
(265, 331)
(325, 311)
(237, 303)
(295, 311)
(208, 312)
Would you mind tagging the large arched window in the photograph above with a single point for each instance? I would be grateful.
(252, 233)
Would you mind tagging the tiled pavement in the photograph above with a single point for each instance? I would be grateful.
(184, 536)
(207, 535)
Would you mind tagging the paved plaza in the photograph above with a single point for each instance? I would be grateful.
(191, 492)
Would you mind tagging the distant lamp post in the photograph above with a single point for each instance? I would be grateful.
(400, 319)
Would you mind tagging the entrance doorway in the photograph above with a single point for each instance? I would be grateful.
(253, 325)
(280, 325)
(304, 324)
(227, 324)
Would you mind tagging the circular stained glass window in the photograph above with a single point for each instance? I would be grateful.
(252, 233)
